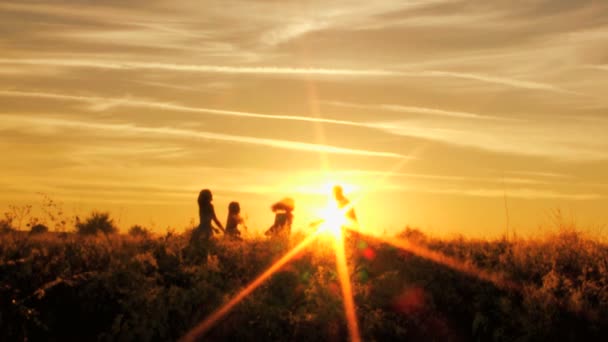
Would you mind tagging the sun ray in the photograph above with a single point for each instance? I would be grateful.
(493, 277)
(346, 285)
(424, 252)
(212, 319)
(334, 220)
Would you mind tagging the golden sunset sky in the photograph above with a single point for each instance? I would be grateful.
(434, 113)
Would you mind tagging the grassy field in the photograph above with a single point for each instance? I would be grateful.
(141, 287)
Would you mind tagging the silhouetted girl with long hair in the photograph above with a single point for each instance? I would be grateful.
(233, 221)
(206, 214)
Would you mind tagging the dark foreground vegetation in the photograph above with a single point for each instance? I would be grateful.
(141, 287)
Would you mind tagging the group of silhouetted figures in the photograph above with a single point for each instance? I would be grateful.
(206, 214)
(280, 229)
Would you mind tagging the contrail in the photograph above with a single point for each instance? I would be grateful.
(202, 68)
(276, 70)
(415, 110)
(102, 103)
(514, 83)
(192, 134)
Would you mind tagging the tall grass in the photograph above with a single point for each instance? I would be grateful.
(150, 288)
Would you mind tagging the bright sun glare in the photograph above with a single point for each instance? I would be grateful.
(333, 220)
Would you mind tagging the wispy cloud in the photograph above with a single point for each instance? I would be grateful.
(165, 85)
(292, 30)
(414, 110)
(261, 70)
(600, 67)
(131, 152)
(499, 135)
(71, 11)
(540, 174)
(276, 70)
(521, 193)
(297, 20)
(440, 177)
(191, 134)
(102, 104)
(504, 81)
(518, 193)
(564, 140)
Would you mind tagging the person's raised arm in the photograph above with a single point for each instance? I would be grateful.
(241, 220)
(217, 222)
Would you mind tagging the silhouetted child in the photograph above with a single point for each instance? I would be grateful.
(344, 203)
(283, 218)
(349, 212)
(206, 212)
(233, 221)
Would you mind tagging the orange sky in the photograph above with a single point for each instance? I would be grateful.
(134, 106)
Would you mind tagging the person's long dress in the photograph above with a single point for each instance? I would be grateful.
(282, 225)
(202, 233)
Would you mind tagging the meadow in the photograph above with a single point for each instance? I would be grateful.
(101, 285)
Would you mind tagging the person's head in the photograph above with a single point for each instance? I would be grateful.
(234, 208)
(338, 192)
(286, 204)
(205, 197)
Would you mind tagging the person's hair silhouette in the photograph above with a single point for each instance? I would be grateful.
(206, 214)
(233, 220)
(283, 218)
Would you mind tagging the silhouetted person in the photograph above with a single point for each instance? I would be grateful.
(283, 219)
(206, 212)
(344, 203)
(233, 221)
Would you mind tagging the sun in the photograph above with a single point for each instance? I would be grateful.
(336, 216)
(332, 219)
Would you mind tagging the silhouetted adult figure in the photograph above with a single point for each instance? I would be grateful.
(283, 219)
(206, 213)
(344, 203)
(234, 220)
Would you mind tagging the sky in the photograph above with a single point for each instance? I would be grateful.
(457, 117)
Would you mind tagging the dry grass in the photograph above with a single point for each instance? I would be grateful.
(117, 287)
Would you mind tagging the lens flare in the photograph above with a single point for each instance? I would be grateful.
(332, 220)
(493, 277)
(346, 285)
(210, 321)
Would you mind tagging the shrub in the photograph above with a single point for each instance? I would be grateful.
(412, 234)
(6, 226)
(98, 222)
(139, 231)
(39, 228)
